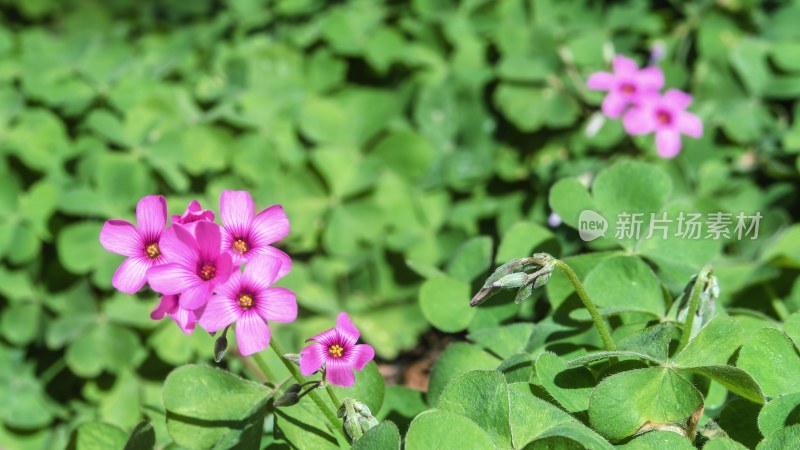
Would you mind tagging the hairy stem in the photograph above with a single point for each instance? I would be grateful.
(608, 343)
(330, 415)
(697, 289)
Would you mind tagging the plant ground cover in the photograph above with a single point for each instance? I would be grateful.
(417, 147)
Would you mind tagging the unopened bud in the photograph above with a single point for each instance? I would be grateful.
(220, 346)
(514, 280)
(287, 399)
(293, 357)
(541, 280)
(523, 294)
(367, 422)
(357, 418)
(353, 428)
(295, 388)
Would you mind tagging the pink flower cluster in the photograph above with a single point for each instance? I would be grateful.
(633, 94)
(196, 265)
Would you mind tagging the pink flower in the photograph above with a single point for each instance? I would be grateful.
(245, 236)
(170, 306)
(141, 245)
(248, 300)
(194, 212)
(666, 116)
(195, 265)
(337, 350)
(626, 85)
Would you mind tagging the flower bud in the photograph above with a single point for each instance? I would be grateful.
(357, 418)
(293, 357)
(221, 346)
(287, 399)
(523, 294)
(514, 280)
(541, 280)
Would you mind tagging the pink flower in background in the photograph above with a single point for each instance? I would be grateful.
(141, 245)
(337, 350)
(245, 236)
(626, 85)
(249, 300)
(193, 213)
(195, 265)
(665, 115)
(170, 306)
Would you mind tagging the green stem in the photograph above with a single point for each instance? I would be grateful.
(331, 415)
(262, 365)
(608, 343)
(697, 289)
(332, 395)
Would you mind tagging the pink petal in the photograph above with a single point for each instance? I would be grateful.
(278, 304)
(346, 330)
(172, 278)
(193, 213)
(219, 313)
(623, 65)
(232, 287)
(252, 333)
(270, 225)
(179, 246)
(121, 237)
(600, 81)
(225, 269)
(677, 99)
(227, 246)
(689, 124)
(167, 305)
(668, 143)
(208, 239)
(194, 206)
(312, 358)
(326, 338)
(638, 121)
(263, 270)
(358, 356)
(237, 209)
(614, 104)
(131, 275)
(650, 78)
(272, 252)
(151, 216)
(196, 296)
(185, 319)
(339, 373)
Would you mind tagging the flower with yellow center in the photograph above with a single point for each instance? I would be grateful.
(245, 301)
(240, 246)
(335, 351)
(153, 251)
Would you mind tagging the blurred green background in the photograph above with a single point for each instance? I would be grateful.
(402, 137)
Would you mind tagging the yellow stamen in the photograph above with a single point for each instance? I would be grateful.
(153, 251)
(240, 246)
(245, 301)
(208, 272)
(335, 351)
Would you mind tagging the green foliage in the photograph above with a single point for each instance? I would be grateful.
(415, 145)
